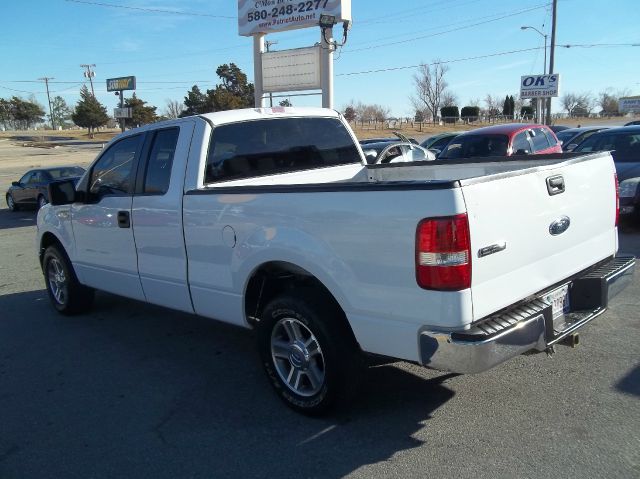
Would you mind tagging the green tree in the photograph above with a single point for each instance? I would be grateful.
(141, 113)
(25, 113)
(512, 105)
(234, 92)
(195, 102)
(89, 112)
(506, 106)
(349, 113)
(6, 118)
(59, 111)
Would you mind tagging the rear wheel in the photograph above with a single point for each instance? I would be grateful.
(308, 352)
(11, 203)
(67, 295)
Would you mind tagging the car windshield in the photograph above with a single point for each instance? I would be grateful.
(65, 172)
(473, 146)
(625, 146)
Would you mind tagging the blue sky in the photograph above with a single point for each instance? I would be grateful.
(168, 52)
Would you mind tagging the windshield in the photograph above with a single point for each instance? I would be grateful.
(66, 172)
(625, 146)
(473, 146)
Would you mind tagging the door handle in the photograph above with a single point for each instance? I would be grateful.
(555, 185)
(124, 220)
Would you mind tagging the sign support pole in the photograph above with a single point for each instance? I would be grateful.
(258, 48)
(326, 66)
(122, 120)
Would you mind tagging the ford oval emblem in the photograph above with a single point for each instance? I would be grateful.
(559, 226)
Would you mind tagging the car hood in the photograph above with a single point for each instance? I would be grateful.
(628, 170)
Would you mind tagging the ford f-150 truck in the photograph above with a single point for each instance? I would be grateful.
(271, 219)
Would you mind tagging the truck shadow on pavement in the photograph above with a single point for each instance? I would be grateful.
(16, 219)
(630, 384)
(137, 390)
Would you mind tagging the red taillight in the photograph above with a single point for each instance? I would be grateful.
(443, 253)
(617, 186)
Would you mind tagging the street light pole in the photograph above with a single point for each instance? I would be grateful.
(552, 52)
(540, 107)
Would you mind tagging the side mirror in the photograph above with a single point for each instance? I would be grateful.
(370, 156)
(15, 183)
(571, 147)
(63, 192)
(435, 151)
(522, 152)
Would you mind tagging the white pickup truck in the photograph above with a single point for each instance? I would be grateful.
(271, 219)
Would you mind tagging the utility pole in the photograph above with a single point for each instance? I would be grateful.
(46, 82)
(552, 53)
(89, 74)
(267, 44)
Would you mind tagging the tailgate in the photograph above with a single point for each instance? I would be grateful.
(519, 211)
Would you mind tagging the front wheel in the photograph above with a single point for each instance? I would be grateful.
(41, 201)
(67, 295)
(308, 352)
(11, 203)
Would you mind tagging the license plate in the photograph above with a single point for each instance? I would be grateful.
(559, 299)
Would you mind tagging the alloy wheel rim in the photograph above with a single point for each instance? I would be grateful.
(42, 202)
(57, 281)
(297, 357)
(10, 202)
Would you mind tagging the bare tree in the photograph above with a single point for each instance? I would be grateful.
(173, 109)
(449, 99)
(474, 102)
(430, 86)
(569, 102)
(493, 104)
(581, 104)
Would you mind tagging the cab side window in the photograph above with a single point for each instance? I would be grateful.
(112, 174)
(158, 171)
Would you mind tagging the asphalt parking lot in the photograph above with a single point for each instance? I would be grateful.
(134, 390)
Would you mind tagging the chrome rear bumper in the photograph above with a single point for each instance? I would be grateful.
(527, 327)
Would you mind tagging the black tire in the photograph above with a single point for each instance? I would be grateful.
(41, 202)
(67, 295)
(11, 203)
(339, 359)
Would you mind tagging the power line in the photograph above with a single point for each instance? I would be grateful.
(459, 22)
(152, 10)
(520, 12)
(489, 55)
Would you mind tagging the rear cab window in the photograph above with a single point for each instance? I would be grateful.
(279, 145)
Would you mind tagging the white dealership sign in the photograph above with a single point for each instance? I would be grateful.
(629, 104)
(266, 16)
(539, 86)
(291, 70)
(122, 112)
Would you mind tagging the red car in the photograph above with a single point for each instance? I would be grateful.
(503, 140)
